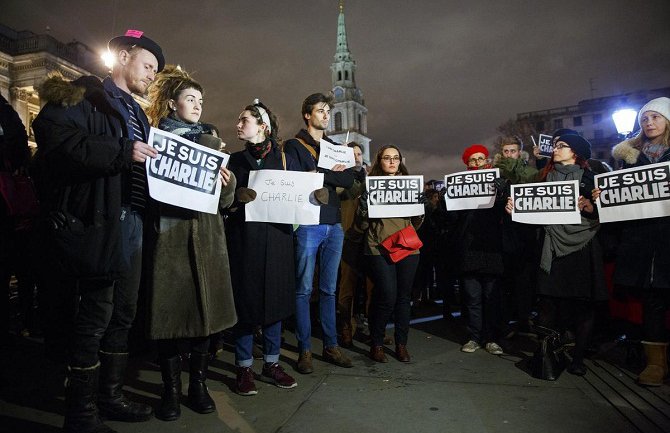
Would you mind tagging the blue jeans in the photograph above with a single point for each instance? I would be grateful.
(482, 301)
(326, 240)
(244, 341)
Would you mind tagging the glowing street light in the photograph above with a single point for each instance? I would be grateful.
(624, 120)
(108, 59)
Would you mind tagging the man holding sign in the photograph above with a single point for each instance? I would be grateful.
(324, 239)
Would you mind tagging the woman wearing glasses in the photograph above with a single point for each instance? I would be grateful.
(477, 243)
(571, 278)
(392, 281)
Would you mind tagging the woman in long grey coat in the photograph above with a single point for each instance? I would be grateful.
(261, 255)
(190, 292)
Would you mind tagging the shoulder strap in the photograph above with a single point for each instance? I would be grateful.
(308, 147)
(283, 159)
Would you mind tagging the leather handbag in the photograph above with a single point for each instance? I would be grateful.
(402, 243)
(19, 194)
(549, 360)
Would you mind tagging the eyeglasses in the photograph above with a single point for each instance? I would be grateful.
(477, 159)
(561, 146)
(388, 158)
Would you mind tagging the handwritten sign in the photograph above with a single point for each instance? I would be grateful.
(394, 196)
(546, 203)
(472, 189)
(634, 193)
(284, 197)
(184, 173)
(331, 154)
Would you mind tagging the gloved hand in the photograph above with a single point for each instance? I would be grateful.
(245, 195)
(321, 195)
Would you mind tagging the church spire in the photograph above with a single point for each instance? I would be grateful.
(342, 50)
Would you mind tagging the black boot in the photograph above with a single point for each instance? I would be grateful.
(81, 412)
(111, 401)
(170, 410)
(198, 397)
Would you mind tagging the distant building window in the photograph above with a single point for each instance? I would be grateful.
(598, 134)
(577, 121)
(558, 123)
(539, 126)
(597, 118)
(346, 75)
(339, 75)
(338, 121)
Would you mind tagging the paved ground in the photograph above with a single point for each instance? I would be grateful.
(441, 390)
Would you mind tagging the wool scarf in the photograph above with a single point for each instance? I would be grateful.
(259, 150)
(563, 239)
(190, 131)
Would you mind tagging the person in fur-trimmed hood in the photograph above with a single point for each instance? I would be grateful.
(643, 255)
(91, 148)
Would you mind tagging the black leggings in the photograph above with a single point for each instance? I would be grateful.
(170, 348)
(561, 314)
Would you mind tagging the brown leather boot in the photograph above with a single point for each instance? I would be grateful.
(657, 364)
(377, 354)
(347, 338)
(401, 353)
(305, 362)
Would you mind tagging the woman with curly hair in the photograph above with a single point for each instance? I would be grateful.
(190, 292)
(643, 255)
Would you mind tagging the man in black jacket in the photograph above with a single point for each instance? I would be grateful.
(325, 239)
(91, 139)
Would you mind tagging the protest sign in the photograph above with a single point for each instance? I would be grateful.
(472, 189)
(284, 197)
(184, 173)
(394, 196)
(546, 203)
(634, 193)
(545, 145)
(331, 154)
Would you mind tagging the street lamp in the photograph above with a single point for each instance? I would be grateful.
(624, 120)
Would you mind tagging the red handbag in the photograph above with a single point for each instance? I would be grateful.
(402, 243)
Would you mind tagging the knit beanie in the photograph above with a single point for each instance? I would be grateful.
(475, 148)
(563, 131)
(579, 145)
(659, 105)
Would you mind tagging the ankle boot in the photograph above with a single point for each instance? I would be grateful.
(81, 412)
(111, 401)
(169, 409)
(198, 396)
(657, 364)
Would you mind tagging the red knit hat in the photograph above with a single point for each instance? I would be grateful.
(475, 148)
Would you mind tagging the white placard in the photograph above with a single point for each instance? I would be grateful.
(284, 197)
(546, 203)
(472, 189)
(634, 193)
(394, 196)
(331, 154)
(184, 173)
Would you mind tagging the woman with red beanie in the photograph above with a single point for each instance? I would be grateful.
(478, 243)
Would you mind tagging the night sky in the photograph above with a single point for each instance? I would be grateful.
(437, 75)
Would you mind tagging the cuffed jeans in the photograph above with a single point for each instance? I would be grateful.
(391, 295)
(325, 240)
(106, 310)
(244, 341)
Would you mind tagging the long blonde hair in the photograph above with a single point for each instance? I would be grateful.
(169, 83)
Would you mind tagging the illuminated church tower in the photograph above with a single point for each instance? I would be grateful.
(349, 115)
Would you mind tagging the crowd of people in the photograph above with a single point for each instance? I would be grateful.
(104, 241)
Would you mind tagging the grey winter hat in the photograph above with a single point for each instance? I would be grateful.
(660, 105)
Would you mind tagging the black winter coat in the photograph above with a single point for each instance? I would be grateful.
(477, 241)
(643, 252)
(83, 150)
(261, 254)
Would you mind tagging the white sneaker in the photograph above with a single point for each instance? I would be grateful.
(470, 346)
(494, 348)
